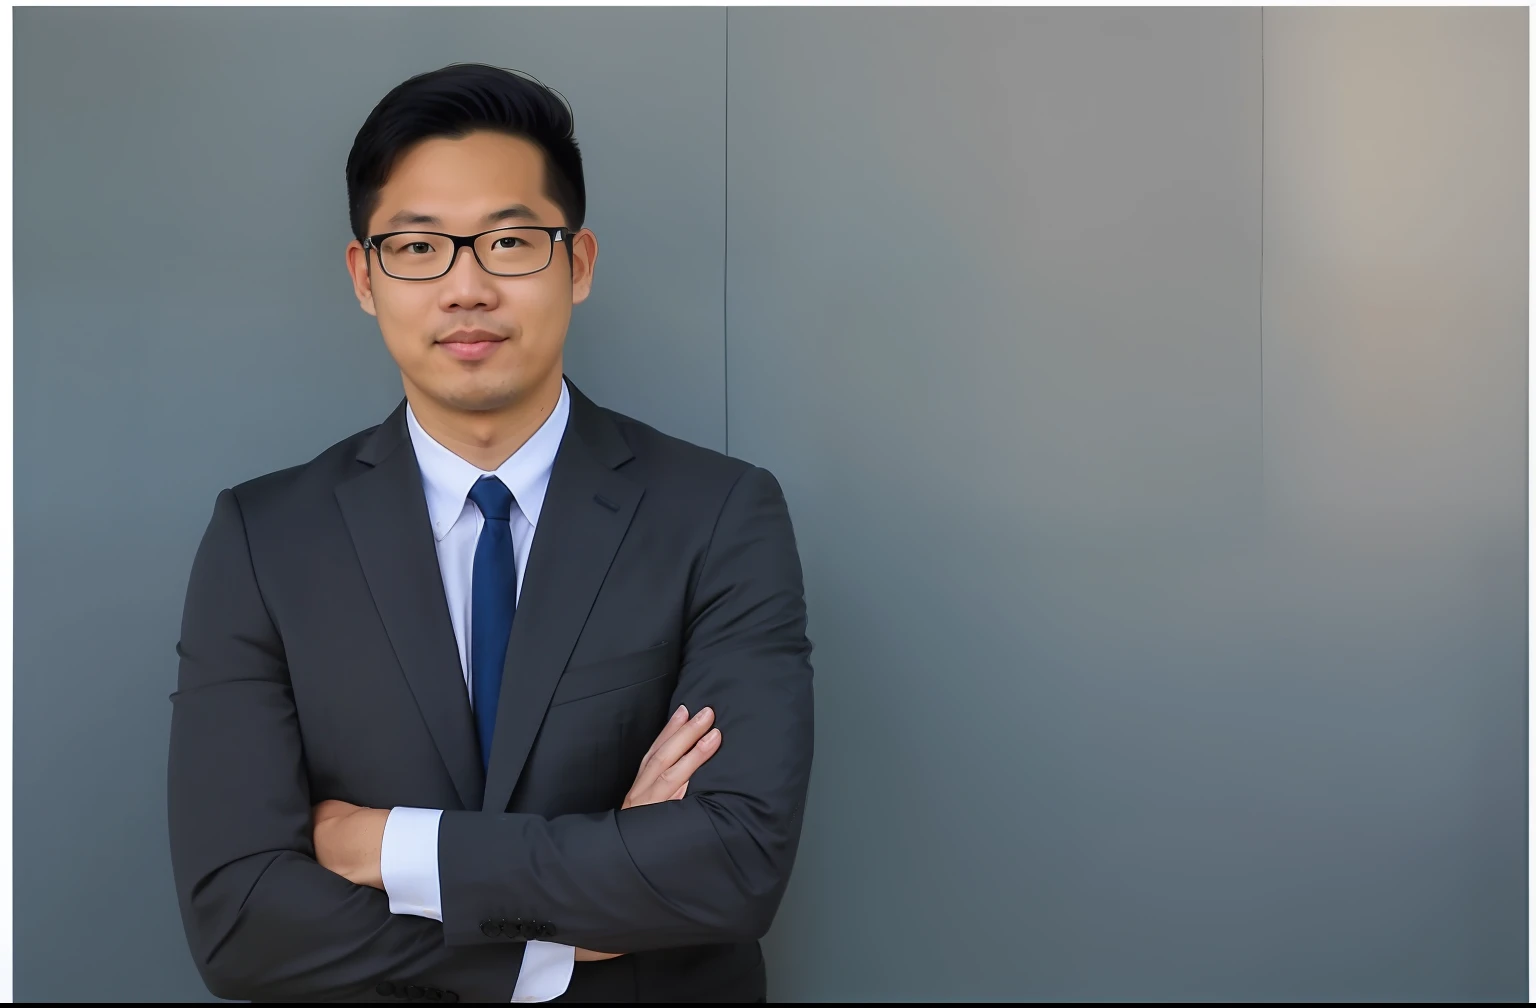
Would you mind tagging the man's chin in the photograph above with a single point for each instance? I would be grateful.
(478, 392)
(481, 399)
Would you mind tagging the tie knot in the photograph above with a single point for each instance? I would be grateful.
(493, 498)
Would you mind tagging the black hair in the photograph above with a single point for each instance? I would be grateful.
(454, 102)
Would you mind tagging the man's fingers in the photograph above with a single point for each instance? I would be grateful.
(669, 783)
(677, 774)
(677, 720)
(682, 739)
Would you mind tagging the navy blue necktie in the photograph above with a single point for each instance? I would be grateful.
(493, 602)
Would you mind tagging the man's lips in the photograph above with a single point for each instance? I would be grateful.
(471, 344)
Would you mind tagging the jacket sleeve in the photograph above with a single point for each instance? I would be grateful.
(264, 920)
(711, 867)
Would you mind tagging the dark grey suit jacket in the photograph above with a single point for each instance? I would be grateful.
(318, 661)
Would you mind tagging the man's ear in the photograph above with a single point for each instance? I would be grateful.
(583, 263)
(360, 269)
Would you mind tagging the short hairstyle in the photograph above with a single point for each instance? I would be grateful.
(454, 102)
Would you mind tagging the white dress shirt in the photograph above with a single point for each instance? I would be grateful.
(408, 858)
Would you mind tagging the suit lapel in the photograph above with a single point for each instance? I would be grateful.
(386, 513)
(587, 511)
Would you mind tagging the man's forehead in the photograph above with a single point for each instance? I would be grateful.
(511, 214)
(481, 179)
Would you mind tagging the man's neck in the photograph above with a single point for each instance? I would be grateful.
(485, 438)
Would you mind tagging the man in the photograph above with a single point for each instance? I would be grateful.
(509, 697)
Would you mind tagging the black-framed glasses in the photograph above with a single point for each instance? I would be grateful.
(506, 252)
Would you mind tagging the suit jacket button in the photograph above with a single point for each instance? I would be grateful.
(385, 989)
(433, 994)
(450, 996)
(546, 929)
(413, 992)
(489, 929)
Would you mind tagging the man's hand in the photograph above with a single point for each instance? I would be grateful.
(348, 839)
(683, 746)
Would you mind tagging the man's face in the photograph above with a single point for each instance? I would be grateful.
(461, 183)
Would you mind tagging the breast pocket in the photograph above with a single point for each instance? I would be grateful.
(607, 675)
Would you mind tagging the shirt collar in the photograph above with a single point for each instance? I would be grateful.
(447, 478)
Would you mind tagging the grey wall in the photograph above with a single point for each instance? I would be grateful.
(1148, 388)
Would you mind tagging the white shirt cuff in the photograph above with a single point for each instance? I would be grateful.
(546, 971)
(408, 866)
(408, 862)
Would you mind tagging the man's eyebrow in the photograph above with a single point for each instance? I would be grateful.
(516, 211)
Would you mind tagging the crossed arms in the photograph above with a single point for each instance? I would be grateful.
(266, 920)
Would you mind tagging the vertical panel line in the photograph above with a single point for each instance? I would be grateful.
(725, 249)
